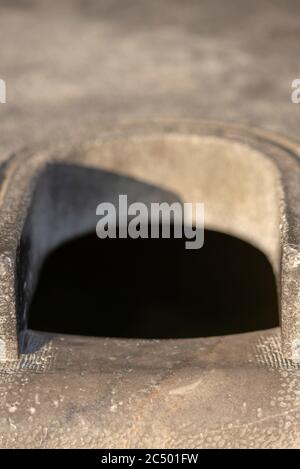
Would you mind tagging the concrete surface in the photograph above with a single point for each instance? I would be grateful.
(73, 66)
(75, 70)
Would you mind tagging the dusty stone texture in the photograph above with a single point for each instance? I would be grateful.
(73, 65)
(227, 392)
(74, 71)
(231, 391)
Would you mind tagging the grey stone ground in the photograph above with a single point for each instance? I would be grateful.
(76, 65)
(72, 69)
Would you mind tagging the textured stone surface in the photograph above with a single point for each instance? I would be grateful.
(77, 64)
(215, 392)
(236, 391)
(73, 71)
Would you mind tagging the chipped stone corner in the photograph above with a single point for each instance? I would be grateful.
(295, 350)
(2, 351)
(8, 320)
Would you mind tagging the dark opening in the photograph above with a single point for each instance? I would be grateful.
(155, 288)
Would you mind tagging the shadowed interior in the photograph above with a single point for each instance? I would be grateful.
(155, 288)
(71, 282)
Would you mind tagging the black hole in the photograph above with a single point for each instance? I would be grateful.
(155, 288)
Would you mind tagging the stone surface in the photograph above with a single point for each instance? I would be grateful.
(74, 72)
(80, 64)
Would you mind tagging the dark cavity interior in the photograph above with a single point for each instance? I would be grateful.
(154, 288)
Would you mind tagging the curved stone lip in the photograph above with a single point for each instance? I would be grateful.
(19, 178)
